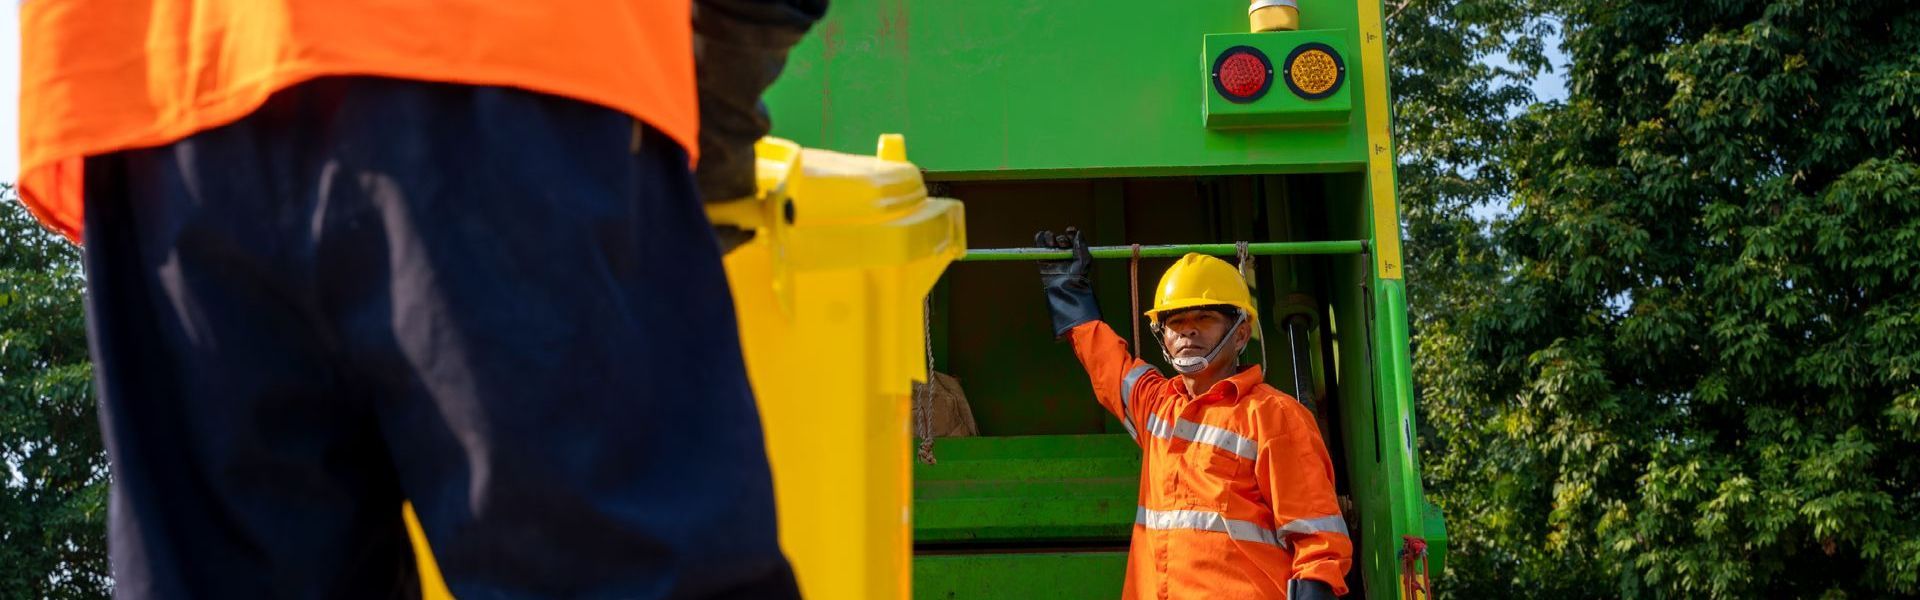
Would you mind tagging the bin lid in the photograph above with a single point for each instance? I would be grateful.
(853, 211)
(841, 189)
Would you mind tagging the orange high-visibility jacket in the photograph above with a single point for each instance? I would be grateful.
(99, 76)
(1236, 488)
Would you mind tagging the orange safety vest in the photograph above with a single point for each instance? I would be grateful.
(99, 76)
(1236, 489)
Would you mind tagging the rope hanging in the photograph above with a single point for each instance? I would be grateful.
(923, 424)
(1245, 264)
(1133, 270)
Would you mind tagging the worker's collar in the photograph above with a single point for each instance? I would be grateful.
(1240, 384)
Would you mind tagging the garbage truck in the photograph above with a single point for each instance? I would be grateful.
(1255, 131)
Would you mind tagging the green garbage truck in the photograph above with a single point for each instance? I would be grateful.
(1157, 128)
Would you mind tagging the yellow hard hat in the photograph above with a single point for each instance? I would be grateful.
(1201, 280)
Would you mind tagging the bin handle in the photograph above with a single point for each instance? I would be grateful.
(770, 212)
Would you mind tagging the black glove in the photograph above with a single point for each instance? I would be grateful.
(1309, 589)
(1069, 292)
(739, 48)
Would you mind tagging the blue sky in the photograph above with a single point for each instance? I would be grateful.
(9, 91)
(1553, 85)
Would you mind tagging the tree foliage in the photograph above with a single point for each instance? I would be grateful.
(53, 496)
(1459, 75)
(1697, 373)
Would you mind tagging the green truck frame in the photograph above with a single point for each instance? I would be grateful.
(1117, 116)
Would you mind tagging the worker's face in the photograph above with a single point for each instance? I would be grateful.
(1195, 332)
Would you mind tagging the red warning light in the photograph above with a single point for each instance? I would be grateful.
(1242, 74)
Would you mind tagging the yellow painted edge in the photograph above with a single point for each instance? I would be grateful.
(1386, 214)
(432, 586)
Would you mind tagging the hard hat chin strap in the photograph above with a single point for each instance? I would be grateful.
(1188, 365)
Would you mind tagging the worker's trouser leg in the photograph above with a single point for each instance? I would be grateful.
(505, 306)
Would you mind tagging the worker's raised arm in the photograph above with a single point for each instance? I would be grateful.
(1117, 376)
(1296, 476)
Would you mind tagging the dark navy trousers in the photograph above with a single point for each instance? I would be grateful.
(505, 306)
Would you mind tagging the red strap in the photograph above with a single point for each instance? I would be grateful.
(1414, 583)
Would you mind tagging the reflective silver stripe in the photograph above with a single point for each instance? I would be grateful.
(1163, 520)
(1204, 434)
(1219, 438)
(1126, 397)
(1158, 428)
(1332, 523)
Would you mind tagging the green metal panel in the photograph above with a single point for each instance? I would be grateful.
(1395, 378)
(1436, 529)
(1025, 89)
(1052, 575)
(1028, 489)
(1280, 106)
(1358, 392)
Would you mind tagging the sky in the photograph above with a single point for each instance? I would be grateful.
(1550, 86)
(9, 90)
(1547, 87)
